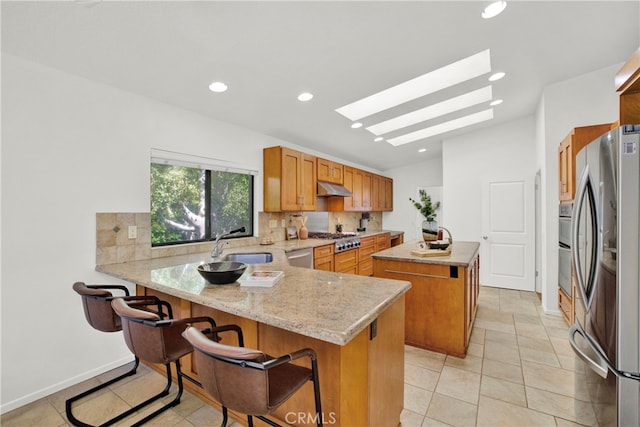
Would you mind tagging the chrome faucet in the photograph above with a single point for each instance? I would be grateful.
(216, 251)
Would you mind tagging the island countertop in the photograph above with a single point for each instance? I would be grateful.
(462, 254)
(332, 307)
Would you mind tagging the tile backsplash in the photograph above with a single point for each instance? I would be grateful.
(113, 244)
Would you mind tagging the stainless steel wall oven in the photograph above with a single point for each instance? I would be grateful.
(564, 248)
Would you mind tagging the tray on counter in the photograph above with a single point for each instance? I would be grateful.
(431, 252)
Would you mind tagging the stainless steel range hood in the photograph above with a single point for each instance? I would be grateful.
(326, 189)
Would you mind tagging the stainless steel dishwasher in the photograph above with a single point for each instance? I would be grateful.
(301, 258)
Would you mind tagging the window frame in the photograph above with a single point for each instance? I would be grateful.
(162, 157)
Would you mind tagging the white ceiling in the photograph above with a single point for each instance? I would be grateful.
(269, 52)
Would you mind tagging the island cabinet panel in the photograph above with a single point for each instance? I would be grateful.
(323, 258)
(440, 306)
(330, 171)
(289, 180)
(361, 383)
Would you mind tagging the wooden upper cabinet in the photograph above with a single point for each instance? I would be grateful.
(388, 193)
(289, 180)
(330, 171)
(569, 147)
(382, 193)
(371, 192)
(628, 84)
(566, 169)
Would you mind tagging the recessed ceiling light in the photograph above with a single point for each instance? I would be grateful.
(442, 127)
(496, 76)
(305, 96)
(432, 111)
(441, 78)
(422, 150)
(218, 87)
(356, 125)
(496, 102)
(378, 139)
(494, 9)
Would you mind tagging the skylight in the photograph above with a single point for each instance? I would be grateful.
(442, 127)
(441, 78)
(432, 111)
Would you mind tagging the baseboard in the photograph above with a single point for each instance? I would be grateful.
(32, 397)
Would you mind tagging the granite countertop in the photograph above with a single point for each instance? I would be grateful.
(462, 254)
(332, 307)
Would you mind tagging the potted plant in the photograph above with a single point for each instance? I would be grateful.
(428, 210)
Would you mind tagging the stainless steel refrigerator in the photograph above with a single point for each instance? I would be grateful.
(605, 259)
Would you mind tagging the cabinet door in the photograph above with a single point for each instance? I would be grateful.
(330, 171)
(377, 193)
(308, 182)
(290, 184)
(565, 156)
(358, 178)
(367, 185)
(388, 194)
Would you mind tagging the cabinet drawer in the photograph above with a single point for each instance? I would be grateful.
(365, 268)
(383, 241)
(346, 262)
(323, 263)
(323, 251)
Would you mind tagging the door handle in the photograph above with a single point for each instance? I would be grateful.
(599, 366)
(485, 237)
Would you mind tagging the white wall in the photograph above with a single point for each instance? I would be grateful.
(406, 182)
(468, 161)
(585, 100)
(70, 148)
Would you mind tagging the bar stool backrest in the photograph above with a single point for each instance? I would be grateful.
(149, 337)
(97, 308)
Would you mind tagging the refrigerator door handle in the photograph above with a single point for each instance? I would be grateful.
(584, 188)
(600, 367)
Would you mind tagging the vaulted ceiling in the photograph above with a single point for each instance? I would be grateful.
(269, 52)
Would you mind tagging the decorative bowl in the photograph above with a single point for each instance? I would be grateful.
(223, 272)
(438, 244)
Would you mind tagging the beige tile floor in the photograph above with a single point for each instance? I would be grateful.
(519, 371)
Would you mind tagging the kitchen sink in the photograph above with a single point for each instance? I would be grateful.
(250, 258)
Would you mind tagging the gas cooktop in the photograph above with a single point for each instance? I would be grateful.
(343, 241)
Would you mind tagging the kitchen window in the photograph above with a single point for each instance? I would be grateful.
(194, 201)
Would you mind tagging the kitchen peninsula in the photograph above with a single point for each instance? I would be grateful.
(441, 304)
(354, 323)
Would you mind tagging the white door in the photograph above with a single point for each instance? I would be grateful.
(507, 252)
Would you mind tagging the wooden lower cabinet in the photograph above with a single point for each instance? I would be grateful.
(323, 258)
(361, 383)
(346, 262)
(366, 249)
(565, 304)
(441, 304)
(368, 246)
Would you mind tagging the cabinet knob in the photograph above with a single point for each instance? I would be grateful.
(485, 237)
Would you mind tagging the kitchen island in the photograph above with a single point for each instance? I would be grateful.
(355, 324)
(441, 305)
